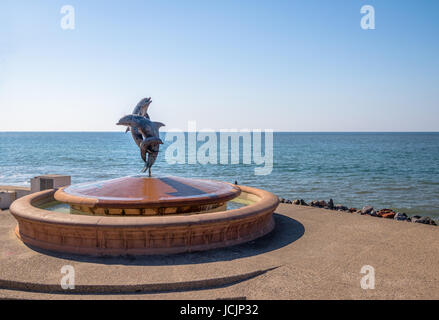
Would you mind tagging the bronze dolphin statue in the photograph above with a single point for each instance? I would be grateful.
(145, 126)
(141, 109)
(146, 135)
(151, 146)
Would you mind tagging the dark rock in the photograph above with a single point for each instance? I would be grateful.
(303, 203)
(340, 207)
(314, 203)
(366, 210)
(352, 210)
(425, 220)
(400, 216)
(373, 213)
(282, 200)
(236, 182)
(322, 204)
(297, 201)
(331, 204)
(289, 202)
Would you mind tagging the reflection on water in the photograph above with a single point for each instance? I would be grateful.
(55, 206)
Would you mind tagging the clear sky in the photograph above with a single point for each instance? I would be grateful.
(285, 65)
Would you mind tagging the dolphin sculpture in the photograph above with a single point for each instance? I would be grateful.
(151, 146)
(141, 109)
(146, 135)
(145, 126)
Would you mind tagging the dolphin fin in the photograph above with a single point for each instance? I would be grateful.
(158, 125)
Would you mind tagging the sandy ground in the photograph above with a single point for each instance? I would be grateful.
(312, 254)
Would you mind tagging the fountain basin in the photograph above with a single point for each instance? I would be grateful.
(142, 235)
(140, 195)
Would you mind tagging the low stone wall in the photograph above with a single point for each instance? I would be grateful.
(9, 194)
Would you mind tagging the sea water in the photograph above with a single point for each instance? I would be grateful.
(384, 170)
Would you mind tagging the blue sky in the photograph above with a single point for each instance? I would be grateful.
(284, 65)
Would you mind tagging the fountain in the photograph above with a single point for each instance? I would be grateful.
(143, 215)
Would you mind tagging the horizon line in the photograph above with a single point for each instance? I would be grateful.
(274, 131)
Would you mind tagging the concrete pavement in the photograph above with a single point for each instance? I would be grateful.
(312, 254)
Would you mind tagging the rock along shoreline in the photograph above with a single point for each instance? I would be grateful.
(367, 210)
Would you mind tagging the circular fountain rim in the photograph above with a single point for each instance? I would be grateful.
(24, 208)
(133, 192)
(141, 235)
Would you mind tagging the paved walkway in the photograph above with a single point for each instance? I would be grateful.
(312, 254)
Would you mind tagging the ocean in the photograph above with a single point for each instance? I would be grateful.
(384, 170)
